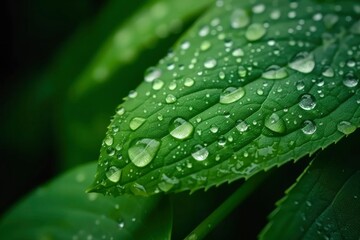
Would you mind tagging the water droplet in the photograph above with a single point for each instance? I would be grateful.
(120, 111)
(214, 128)
(255, 31)
(199, 153)
(231, 94)
(346, 127)
(303, 62)
(242, 71)
(189, 82)
(242, 126)
(238, 52)
(222, 141)
(170, 98)
(328, 72)
(205, 45)
(109, 140)
(274, 123)
(136, 122)
(179, 128)
(138, 189)
(309, 127)
(121, 224)
(151, 74)
(350, 80)
(259, 8)
(157, 84)
(275, 72)
(167, 183)
(330, 20)
(307, 102)
(110, 151)
(185, 45)
(204, 31)
(172, 86)
(210, 63)
(143, 151)
(239, 18)
(113, 174)
(300, 85)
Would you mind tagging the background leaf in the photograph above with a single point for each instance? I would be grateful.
(250, 86)
(324, 203)
(62, 210)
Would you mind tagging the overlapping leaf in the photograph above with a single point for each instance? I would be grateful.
(252, 85)
(62, 210)
(324, 204)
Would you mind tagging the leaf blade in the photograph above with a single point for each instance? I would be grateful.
(266, 96)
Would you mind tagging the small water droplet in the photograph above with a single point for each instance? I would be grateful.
(113, 174)
(214, 128)
(239, 18)
(143, 151)
(222, 141)
(238, 52)
(199, 153)
(136, 122)
(210, 63)
(242, 71)
(350, 80)
(346, 127)
(185, 45)
(157, 84)
(179, 128)
(307, 102)
(255, 31)
(151, 74)
(109, 140)
(275, 72)
(303, 62)
(328, 72)
(205, 45)
(300, 85)
(242, 126)
(189, 82)
(274, 123)
(231, 94)
(309, 127)
(120, 111)
(170, 98)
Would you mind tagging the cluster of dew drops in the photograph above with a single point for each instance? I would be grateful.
(143, 151)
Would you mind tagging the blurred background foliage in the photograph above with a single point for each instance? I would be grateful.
(52, 119)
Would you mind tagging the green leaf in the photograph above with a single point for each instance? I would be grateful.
(249, 87)
(324, 203)
(62, 210)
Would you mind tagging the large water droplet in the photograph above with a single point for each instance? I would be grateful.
(309, 127)
(350, 80)
(275, 72)
(274, 123)
(231, 94)
(199, 153)
(143, 151)
(210, 63)
(239, 18)
(151, 74)
(346, 127)
(113, 174)
(307, 102)
(180, 128)
(303, 62)
(255, 31)
(136, 122)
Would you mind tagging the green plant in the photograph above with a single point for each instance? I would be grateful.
(252, 85)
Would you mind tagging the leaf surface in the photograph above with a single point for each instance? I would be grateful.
(250, 86)
(62, 210)
(324, 203)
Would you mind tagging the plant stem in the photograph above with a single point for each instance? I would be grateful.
(227, 207)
